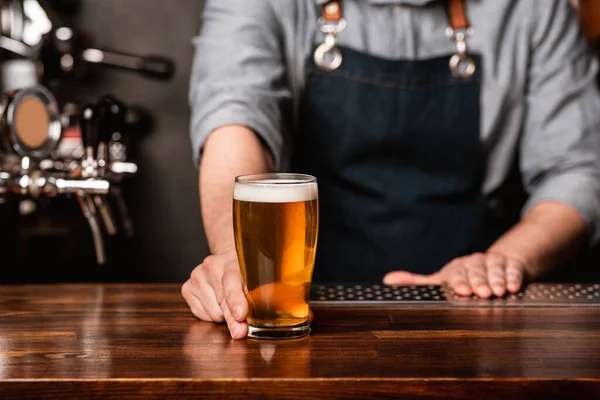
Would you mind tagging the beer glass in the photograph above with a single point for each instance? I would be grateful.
(276, 223)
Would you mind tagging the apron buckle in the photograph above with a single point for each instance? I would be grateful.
(327, 56)
(332, 27)
(461, 64)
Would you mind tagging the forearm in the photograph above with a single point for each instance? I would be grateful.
(548, 235)
(228, 152)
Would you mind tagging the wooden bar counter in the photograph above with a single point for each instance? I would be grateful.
(141, 342)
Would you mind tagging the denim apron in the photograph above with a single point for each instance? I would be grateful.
(396, 149)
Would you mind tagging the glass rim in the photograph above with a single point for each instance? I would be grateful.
(272, 178)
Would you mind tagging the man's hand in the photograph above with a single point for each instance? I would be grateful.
(548, 235)
(484, 274)
(215, 292)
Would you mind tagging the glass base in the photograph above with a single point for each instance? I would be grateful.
(279, 332)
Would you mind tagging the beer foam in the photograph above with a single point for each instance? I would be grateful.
(276, 191)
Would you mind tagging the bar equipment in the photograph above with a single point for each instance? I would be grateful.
(56, 149)
(33, 30)
(543, 294)
(31, 131)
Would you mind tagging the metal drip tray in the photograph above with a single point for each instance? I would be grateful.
(533, 295)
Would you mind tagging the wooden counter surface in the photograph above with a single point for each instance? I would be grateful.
(141, 342)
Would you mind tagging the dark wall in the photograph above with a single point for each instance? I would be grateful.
(169, 239)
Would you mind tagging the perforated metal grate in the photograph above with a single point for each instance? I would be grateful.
(537, 294)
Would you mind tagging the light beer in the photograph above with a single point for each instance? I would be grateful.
(276, 218)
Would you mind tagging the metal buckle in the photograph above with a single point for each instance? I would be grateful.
(327, 56)
(332, 27)
(461, 64)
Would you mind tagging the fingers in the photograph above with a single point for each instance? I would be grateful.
(481, 274)
(484, 275)
(456, 276)
(514, 276)
(496, 269)
(233, 291)
(205, 292)
(477, 275)
(234, 304)
(194, 303)
(213, 268)
(204, 287)
(215, 292)
(238, 330)
(407, 278)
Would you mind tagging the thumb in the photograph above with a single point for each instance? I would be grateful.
(408, 278)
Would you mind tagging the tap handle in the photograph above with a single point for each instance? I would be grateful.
(89, 212)
(126, 221)
(67, 186)
(103, 207)
(112, 117)
(156, 67)
(88, 122)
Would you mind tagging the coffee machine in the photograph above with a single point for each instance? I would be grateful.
(52, 149)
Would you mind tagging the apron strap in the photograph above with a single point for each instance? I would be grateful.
(461, 64)
(332, 11)
(329, 58)
(457, 14)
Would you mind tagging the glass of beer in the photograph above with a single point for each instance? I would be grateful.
(276, 223)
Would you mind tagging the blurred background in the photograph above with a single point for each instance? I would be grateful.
(54, 242)
(95, 55)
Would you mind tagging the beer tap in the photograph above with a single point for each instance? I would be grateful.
(41, 55)
(89, 170)
(21, 164)
(102, 163)
(34, 171)
(113, 128)
(36, 184)
(104, 132)
(88, 124)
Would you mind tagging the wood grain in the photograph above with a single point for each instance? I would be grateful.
(141, 342)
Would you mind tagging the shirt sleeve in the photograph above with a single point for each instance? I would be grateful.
(560, 147)
(238, 75)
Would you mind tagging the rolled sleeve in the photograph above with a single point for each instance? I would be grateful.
(560, 148)
(238, 76)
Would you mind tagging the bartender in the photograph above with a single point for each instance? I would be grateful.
(454, 141)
